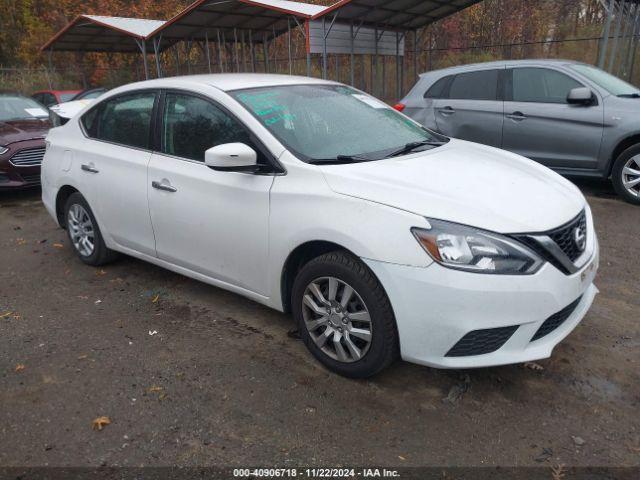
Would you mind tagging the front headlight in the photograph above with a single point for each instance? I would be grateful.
(473, 250)
(3, 150)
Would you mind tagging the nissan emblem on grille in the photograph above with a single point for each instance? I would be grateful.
(580, 238)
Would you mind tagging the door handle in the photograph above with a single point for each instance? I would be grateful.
(89, 168)
(446, 110)
(517, 116)
(163, 186)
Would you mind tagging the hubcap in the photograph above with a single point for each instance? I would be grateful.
(337, 319)
(81, 230)
(631, 176)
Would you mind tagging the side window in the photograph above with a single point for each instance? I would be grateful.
(437, 90)
(192, 125)
(125, 120)
(541, 85)
(482, 85)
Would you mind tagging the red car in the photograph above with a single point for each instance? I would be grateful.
(23, 125)
(53, 97)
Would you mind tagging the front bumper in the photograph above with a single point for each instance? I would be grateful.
(14, 177)
(435, 307)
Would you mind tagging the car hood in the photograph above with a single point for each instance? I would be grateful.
(12, 131)
(466, 183)
(70, 109)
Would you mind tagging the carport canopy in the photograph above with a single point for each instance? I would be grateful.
(94, 33)
(399, 15)
(206, 19)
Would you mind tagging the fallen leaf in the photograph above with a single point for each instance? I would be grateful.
(21, 241)
(401, 458)
(5, 314)
(557, 472)
(533, 366)
(155, 299)
(100, 422)
(99, 273)
(153, 332)
(58, 245)
(82, 357)
(154, 389)
(20, 367)
(162, 396)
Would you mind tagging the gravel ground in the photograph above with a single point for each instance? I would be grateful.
(192, 375)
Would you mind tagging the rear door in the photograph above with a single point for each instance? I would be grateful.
(471, 108)
(112, 167)
(541, 125)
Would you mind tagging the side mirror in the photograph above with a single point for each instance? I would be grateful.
(231, 157)
(580, 96)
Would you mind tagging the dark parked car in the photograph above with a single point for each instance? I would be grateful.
(23, 125)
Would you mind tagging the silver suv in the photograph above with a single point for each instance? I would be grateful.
(569, 116)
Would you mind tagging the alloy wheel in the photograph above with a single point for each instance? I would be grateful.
(631, 176)
(337, 319)
(81, 230)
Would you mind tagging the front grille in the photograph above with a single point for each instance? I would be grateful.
(480, 342)
(555, 320)
(565, 236)
(29, 157)
(31, 179)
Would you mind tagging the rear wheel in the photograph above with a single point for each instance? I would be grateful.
(344, 316)
(626, 175)
(84, 233)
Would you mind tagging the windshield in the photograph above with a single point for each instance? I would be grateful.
(329, 122)
(65, 97)
(15, 107)
(611, 84)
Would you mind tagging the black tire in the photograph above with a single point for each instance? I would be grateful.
(617, 174)
(384, 347)
(101, 255)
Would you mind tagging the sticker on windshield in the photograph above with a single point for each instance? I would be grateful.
(266, 106)
(36, 112)
(372, 102)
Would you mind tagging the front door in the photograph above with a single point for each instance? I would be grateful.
(211, 222)
(541, 125)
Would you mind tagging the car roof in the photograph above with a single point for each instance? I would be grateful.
(227, 81)
(502, 64)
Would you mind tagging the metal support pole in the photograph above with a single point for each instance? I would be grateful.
(605, 34)
(634, 32)
(384, 77)
(275, 50)
(324, 49)
(289, 45)
(243, 58)
(235, 49)
(374, 62)
(398, 74)
(227, 61)
(614, 50)
(219, 52)
(143, 47)
(265, 50)
(177, 54)
(252, 52)
(625, 30)
(189, 56)
(352, 55)
(415, 55)
(156, 51)
(206, 44)
(50, 58)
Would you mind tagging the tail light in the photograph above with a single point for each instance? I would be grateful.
(399, 106)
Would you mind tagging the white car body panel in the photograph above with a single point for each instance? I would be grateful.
(236, 231)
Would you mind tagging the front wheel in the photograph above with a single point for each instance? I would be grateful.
(344, 316)
(626, 175)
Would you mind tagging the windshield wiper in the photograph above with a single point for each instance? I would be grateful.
(411, 146)
(629, 95)
(340, 160)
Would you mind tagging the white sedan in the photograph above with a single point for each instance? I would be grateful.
(383, 239)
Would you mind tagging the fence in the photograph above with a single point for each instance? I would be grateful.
(384, 84)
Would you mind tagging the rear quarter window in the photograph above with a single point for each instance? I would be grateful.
(438, 89)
